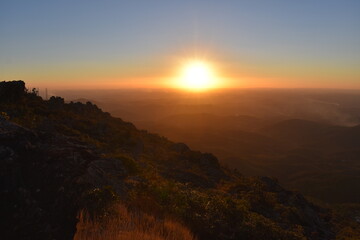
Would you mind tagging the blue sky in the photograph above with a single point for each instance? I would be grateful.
(306, 42)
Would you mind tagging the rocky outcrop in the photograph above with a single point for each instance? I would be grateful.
(45, 179)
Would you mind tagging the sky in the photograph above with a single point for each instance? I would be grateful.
(119, 44)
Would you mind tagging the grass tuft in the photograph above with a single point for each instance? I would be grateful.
(129, 225)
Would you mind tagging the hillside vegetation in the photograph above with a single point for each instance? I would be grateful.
(59, 160)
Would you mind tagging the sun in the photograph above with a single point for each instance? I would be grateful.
(197, 75)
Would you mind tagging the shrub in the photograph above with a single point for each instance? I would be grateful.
(130, 165)
(98, 201)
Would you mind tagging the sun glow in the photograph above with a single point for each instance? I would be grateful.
(197, 75)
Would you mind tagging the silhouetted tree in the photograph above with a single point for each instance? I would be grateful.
(56, 101)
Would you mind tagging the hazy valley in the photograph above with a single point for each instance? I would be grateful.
(308, 138)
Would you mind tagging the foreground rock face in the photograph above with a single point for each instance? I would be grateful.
(43, 179)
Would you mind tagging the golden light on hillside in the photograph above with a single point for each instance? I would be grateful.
(197, 75)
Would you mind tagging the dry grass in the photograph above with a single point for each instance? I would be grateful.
(126, 225)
